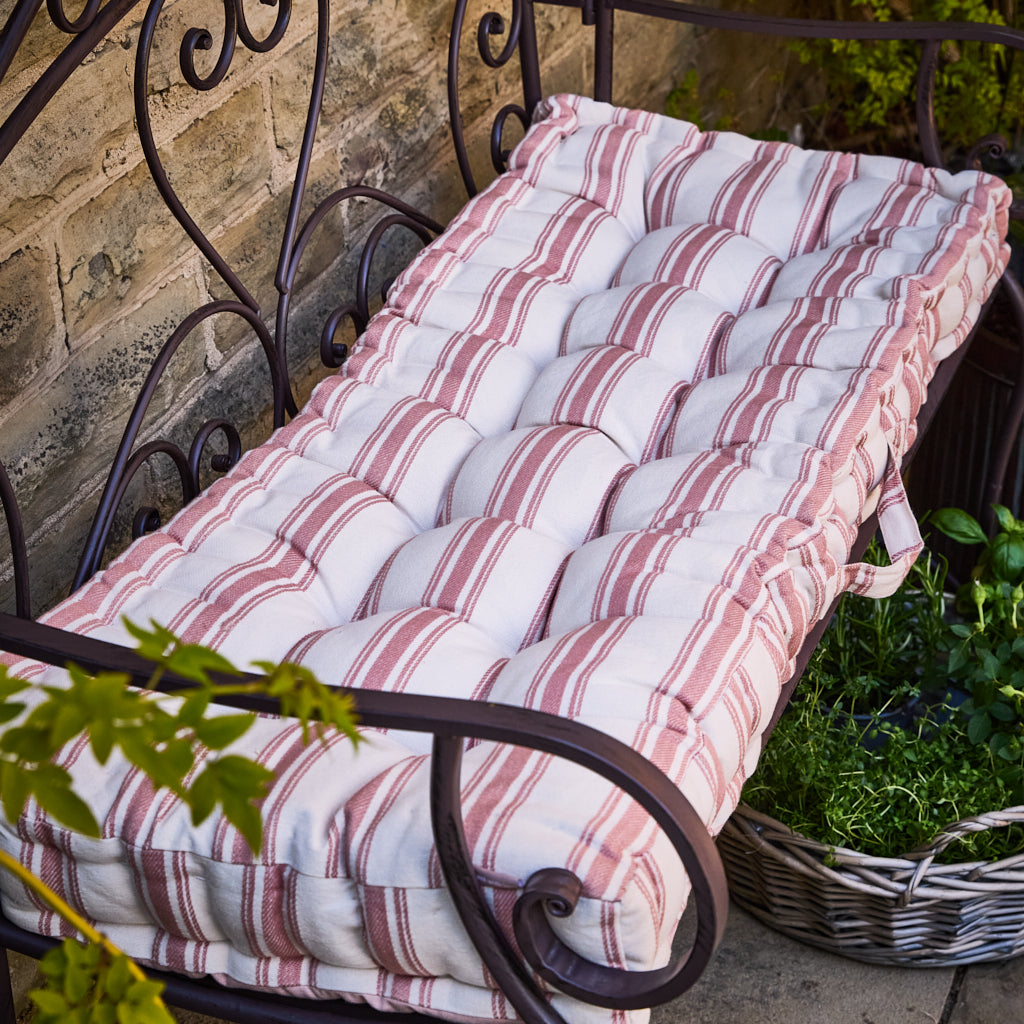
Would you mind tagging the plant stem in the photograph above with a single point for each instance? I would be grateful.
(41, 889)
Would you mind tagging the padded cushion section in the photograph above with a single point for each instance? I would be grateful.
(800, 404)
(403, 447)
(675, 326)
(780, 195)
(603, 453)
(625, 396)
(794, 480)
(649, 572)
(490, 572)
(729, 268)
(478, 379)
(555, 480)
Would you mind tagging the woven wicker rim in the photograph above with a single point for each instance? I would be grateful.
(914, 875)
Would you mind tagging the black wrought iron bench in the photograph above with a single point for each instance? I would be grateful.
(579, 500)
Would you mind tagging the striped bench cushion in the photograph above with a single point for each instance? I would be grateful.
(602, 454)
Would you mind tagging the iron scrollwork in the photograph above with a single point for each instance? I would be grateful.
(129, 460)
(520, 38)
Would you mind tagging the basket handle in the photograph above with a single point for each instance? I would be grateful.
(900, 533)
(958, 830)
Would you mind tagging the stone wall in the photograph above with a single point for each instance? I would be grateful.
(95, 274)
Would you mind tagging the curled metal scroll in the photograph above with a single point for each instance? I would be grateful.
(499, 156)
(200, 39)
(276, 33)
(19, 550)
(147, 518)
(332, 353)
(556, 890)
(994, 146)
(128, 460)
(491, 24)
(220, 462)
(189, 467)
(195, 38)
(379, 230)
(72, 25)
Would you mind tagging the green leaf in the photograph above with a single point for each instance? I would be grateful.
(979, 727)
(959, 525)
(1002, 712)
(8, 712)
(222, 730)
(195, 662)
(153, 643)
(10, 685)
(247, 819)
(49, 1002)
(142, 1005)
(239, 774)
(202, 796)
(28, 743)
(194, 706)
(117, 978)
(101, 739)
(1005, 516)
(151, 762)
(79, 979)
(57, 799)
(103, 1013)
(15, 789)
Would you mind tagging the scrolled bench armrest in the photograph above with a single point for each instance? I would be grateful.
(548, 891)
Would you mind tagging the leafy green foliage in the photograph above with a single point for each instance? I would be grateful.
(986, 653)
(877, 653)
(825, 774)
(687, 102)
(89, 985)
(817, 776)
(872, 83)
(165, 736)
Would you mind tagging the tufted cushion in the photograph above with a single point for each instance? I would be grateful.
(602, 454)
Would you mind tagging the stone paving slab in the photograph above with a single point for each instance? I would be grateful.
(991, 994)
(761, 977)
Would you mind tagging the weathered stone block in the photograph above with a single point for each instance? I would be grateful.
(58, 448)
(64, 148)
(252, 247)
(118, 245)
(31, 339)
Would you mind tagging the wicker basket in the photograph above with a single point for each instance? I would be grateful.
(908, 911)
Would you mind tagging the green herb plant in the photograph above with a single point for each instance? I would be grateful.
(877, 654)
(818, 777)
(986, 652)
(884, 788)
(163, 735)
(872, 83)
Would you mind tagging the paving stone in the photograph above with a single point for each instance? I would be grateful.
(991, 994)
(761, 977)
(25, 976)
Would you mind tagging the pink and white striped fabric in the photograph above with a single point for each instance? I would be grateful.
(602, 454)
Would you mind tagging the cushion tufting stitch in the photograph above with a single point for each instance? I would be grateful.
(603, 454)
